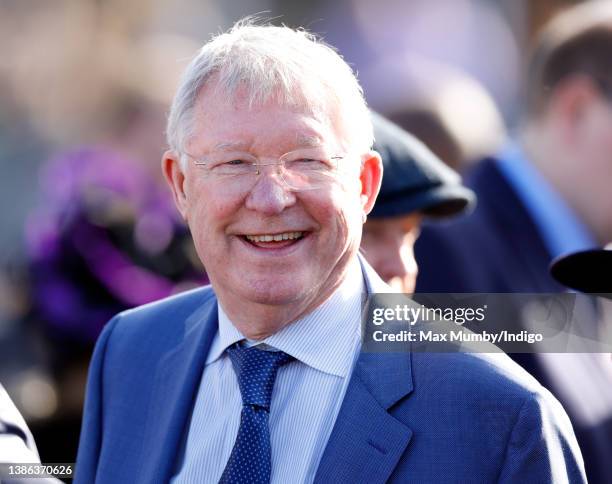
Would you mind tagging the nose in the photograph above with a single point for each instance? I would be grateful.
(269, 194)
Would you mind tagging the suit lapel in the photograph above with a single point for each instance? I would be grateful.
(176, 384)
(367, 441)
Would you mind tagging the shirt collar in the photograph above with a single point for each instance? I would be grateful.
(325, 339)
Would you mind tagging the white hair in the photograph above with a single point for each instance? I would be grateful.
(292, 66)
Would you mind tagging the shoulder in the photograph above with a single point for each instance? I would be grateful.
(135, 343)
(153, 328)
(163, 314)
(493, 374)
(468, 405)
(177, 304)
(486, 390)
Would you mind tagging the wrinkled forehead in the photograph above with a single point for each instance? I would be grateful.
(312, 100)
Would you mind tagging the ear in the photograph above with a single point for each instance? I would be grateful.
(570, 103)
(172, 170)
(370, 178)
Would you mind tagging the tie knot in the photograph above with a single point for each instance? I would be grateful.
(256, 371)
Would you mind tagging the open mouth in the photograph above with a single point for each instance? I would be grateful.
(274, 241)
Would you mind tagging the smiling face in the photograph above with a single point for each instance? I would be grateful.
(269, 249)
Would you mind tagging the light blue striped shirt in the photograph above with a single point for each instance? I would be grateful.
(307, 393)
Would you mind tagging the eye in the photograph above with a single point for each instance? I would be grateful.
(308, 161)
(311, 162)
(231, 164)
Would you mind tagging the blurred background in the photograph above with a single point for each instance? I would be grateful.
(88, 229)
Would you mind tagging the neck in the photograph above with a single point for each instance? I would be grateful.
(256, 321)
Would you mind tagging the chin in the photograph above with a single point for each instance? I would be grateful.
(405, 286)
(274, 291)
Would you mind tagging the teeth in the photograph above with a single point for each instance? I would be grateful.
(275, 237)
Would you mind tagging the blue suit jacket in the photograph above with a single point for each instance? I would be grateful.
(421, 417)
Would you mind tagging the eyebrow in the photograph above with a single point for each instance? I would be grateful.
(231, 146)
(308, 141)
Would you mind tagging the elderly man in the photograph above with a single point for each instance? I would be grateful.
(416, 185)
(260, 377)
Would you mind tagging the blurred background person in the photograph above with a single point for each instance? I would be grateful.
(16, 441)
(17, 445)
(444, 107)
(415, 185)
(546, 194)
(105, 239)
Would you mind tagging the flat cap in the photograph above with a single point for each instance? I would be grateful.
(415, 179)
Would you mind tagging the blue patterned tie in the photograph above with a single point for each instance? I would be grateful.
(250, 460)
